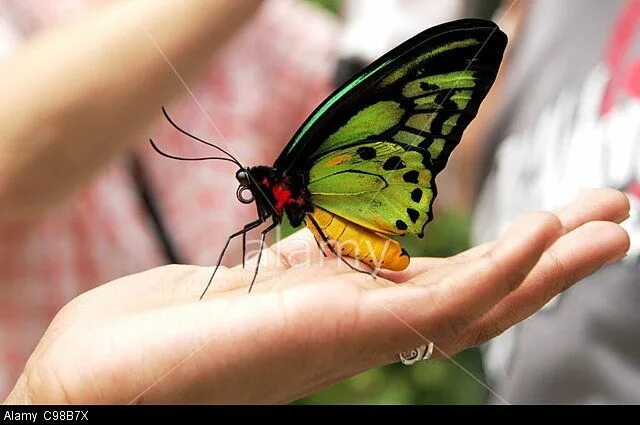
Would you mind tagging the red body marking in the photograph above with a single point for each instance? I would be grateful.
(282, 195)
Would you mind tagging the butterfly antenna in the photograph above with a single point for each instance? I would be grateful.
(180, 158)
(177, 127)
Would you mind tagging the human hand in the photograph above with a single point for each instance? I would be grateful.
(146, 338)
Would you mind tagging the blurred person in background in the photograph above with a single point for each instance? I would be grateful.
(563, 117)
(83, 198)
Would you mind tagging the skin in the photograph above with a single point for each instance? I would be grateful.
(85, 92)
(146, 338)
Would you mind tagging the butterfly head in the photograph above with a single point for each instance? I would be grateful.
(245, 193)
(255, 184)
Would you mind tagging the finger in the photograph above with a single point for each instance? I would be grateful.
(434, 269)
(167, 284)
(595, 205)
(572, 258)
(591, 205)
(450, 306)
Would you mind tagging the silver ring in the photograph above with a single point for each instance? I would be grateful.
(415, 355)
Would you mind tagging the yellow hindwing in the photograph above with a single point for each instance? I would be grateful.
(352, 240)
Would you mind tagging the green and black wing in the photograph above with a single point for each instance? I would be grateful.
(371, 151)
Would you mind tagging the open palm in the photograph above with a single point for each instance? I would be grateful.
(307, 325)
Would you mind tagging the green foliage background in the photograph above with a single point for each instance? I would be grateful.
(432, 382)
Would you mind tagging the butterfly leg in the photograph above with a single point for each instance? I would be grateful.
(333, 251)
(244, 247)
(320, 248)
(242, 232)
(263, 236)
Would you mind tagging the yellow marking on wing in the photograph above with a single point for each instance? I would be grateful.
(451, 80)
(436, 148)
(407, 138)
(421, 121)
(450, 124)
(462, 98)
(403, 70)
(354, 241)
(338, 160)
(426, 101)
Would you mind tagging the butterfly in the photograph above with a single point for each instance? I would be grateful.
(361, 169)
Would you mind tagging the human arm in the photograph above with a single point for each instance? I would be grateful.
(80, 94)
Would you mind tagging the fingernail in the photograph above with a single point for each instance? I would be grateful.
(615, 260)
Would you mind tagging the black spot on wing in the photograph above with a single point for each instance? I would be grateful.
(413, 214)
(411, 176)
(366, 152)
(427, 87)
(393, 163)
(401, 225)
(416, 195)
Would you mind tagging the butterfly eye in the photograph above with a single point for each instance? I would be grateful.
(244, 194)
(243, 178)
